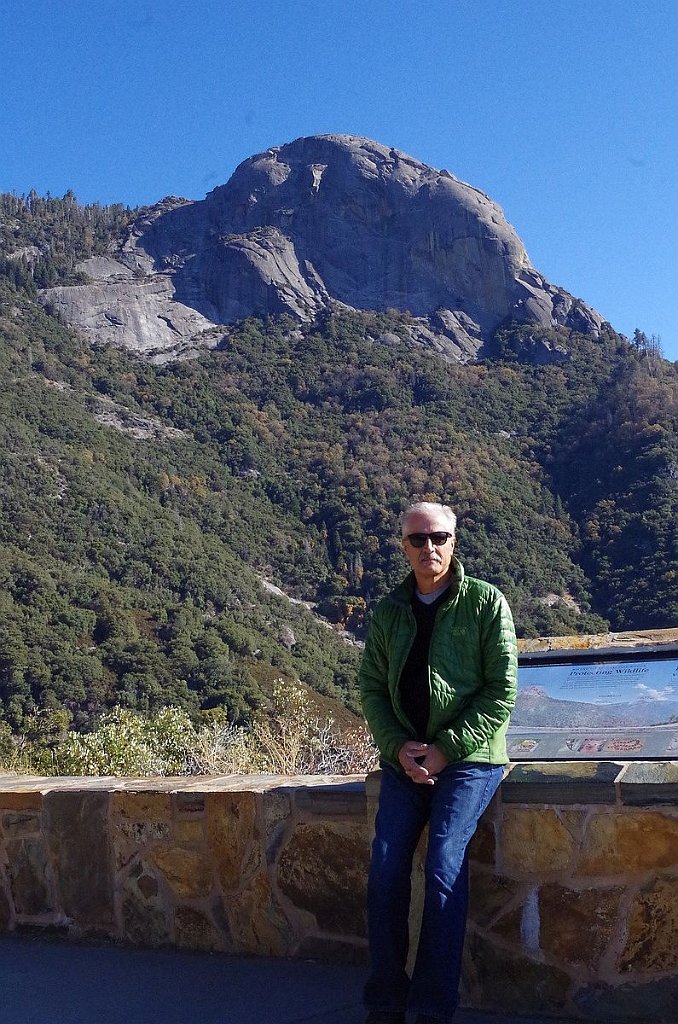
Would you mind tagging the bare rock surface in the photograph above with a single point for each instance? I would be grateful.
(323, 221)
(142, 315)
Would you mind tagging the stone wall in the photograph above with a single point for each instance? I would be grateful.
(575, 893)
(241, 864)
(574, 876)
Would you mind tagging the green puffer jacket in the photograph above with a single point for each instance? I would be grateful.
(472, 672)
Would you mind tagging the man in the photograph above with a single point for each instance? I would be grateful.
(438, 683)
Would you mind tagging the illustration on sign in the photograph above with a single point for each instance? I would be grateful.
(602, 708)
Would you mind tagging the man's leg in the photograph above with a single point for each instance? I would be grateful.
(459, 797)
(403, 810)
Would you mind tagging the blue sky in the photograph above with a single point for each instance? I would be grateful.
(565, 112)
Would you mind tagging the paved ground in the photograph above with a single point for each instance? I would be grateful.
(52, 982)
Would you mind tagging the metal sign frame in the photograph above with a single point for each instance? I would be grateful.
(597, 704)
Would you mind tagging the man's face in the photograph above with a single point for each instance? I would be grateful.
(430, 564)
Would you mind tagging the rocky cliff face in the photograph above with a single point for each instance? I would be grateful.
(325, 220)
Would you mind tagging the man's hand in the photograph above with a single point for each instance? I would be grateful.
(434, 760)
(421, 761)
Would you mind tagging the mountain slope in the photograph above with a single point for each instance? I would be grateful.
(142, 505)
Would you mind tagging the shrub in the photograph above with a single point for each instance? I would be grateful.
(284, 739)
(127, 743)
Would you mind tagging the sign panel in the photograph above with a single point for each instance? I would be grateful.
(595, 708)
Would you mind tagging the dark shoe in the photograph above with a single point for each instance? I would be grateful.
(385, 1017)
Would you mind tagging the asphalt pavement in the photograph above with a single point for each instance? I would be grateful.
(45, 981)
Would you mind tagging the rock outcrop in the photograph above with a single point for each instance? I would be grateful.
(325, 220)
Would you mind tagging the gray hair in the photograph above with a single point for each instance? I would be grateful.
(429, 508)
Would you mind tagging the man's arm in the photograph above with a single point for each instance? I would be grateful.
(388, 731)
(491, 706)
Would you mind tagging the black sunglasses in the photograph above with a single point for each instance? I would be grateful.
(417, 540)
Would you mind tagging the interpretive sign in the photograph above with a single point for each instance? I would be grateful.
(573, 707)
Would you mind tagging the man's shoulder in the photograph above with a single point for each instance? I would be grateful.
(479, 589)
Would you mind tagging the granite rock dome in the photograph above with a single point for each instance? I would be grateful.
(323, 221)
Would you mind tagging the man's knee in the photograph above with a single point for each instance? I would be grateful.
(445, 863)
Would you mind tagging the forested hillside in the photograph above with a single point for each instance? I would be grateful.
(143, 505)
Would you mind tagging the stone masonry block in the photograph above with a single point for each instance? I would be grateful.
(577, 926)
(650, 782)
(189, 831)
(20, 801)
(491, 895)
(20, 824)
(323, 869)
(142, 806)
(483, 843)
(5, 907)
(144, 916)
(346, 799)
(189, 803)
(511, 982)
(585, 782)
(626, 842)
(233, 837)
(534, 840)
(193, 930)
(188, 873)
(277, 805)
(29, 875)
(77, 829)
(652, 943)
(139, 820)
(257, 923)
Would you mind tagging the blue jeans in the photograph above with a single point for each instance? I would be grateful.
(452, 808)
